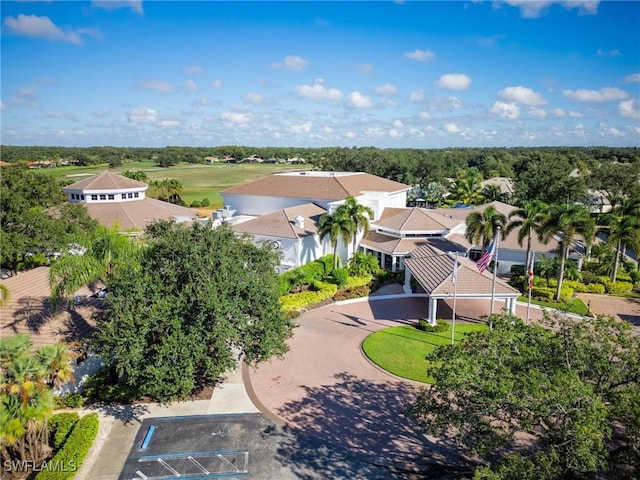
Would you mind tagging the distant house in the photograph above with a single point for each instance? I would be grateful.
(211, 159)
(505, 184)
(119, 202)
(252, 159)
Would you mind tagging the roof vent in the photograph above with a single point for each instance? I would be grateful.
(299, 221)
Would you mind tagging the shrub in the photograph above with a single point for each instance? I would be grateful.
(196, 204)
(60, 426)
(103, 385)
(71, 400)
(517, 270)
(65, 463)
(355, 292)
(635, 276)
(619, 288)
(543, 293)
(359, 281)
(340, 276)
(205, 202)
(440, 326)
(584, 288)
(299, 301)
(566, 293)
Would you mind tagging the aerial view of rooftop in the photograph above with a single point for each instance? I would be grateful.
(320, 240)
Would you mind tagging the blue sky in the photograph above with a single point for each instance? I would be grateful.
(385, 74)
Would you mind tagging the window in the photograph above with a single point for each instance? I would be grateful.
(94, 197)
(131, 195)
(124, 196)
(135, 194)
(73, 196)
(112, 196)
(103, 197)
(82, 197)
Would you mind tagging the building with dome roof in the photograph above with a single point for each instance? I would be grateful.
(119, 202)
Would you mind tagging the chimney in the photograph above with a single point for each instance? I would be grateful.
(299, 221)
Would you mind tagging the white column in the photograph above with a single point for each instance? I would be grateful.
(382, 260)
(393, 263)
(512, 306)
(433, 306)
(407, 281)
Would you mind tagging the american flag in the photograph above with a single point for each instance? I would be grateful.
(486, 257)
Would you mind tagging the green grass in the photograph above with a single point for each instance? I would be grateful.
(402, 350)
(575, 305)
(199, 181)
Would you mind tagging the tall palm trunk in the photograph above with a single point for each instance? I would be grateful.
(616, 262)
(563, 258)
(335, 255)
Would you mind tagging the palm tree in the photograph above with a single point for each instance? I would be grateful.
(569, 221)
(362, 263)
(481, 226)
(107, 253)
(468, 190)
(528, 218)
(491, 192)
(336, 225)
(546, 266)
(4, 295)
(624, 230)
(358, 214)
(57, 361)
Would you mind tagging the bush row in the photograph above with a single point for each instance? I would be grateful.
(60, 426)
(297, 301)
(353, 292)
(440, 326)
(67, 461)
(549, 294)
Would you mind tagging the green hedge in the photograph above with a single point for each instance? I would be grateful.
(545, 294)
(425, 326)
(617, 288)
(67, 461)
(299, 301)
(362, 281)
(349, 293)
(60, 426)
(584, 288)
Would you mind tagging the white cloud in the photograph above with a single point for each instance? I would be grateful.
(201, 101)
(420, 55)
(510, 111)
(157, 86)
(143, 115)
(607, 131)
(454, 81)
(603, 95)
(318, 91)
(61, 115)
(193, 70)
(42, 27)
(386, 89)
(557, 112)
(535, 8)
(574, 114)
(610, 53)
(190, 86)
(398, 124)
(240, 118)
(634, 77)
(365, 68)
(168, 123)
(417, 96)
(629, 108)
(393, 133)
(254, 98)
(27, 95)
(217, 83)
(134, 5)
(537, 112)
(424, 115)
(452, 128)
(291, 63)
(358, 100)
(301, 128)
(523, 95)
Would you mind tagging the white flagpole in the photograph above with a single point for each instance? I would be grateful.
(530, 279)
(455, 283)
(495, 268)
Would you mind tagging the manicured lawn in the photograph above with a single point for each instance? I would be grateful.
(402, 350)
(198, 181)
(575, 305)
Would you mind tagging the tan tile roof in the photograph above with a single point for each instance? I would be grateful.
(105, 180)
(401, 246)
(505, 184)
(29, 311)
(281, 223)
(137, 214)
(434, 270)
(415, 219)
(323, 187)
